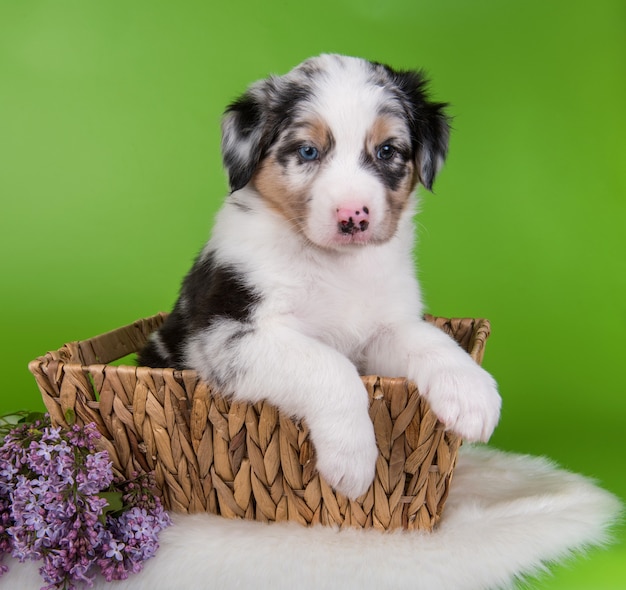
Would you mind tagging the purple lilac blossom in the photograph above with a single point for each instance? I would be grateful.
(51, 510)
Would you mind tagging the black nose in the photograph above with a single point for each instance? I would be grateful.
(352, 220)
(349, 227)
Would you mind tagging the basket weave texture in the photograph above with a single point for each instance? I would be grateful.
(248, 460)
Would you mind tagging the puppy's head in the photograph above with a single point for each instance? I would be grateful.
(336, 146)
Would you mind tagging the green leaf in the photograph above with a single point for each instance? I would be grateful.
(70, 416)
(114, 504)
(31, 417)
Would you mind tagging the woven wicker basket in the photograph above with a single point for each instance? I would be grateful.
(249, 461)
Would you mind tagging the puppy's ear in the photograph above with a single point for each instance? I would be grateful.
(428, 122)
(244, 135)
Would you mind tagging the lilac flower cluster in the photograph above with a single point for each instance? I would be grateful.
(60, 503)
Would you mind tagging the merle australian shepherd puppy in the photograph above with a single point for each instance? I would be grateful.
(308, 280)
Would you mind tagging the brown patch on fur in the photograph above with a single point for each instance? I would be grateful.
(397, 200)
(318, 134)
(271, 181)
(400, 196)
(385, 127)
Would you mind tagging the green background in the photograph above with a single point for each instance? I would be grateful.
(110, 175)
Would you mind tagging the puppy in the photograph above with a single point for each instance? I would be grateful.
(308, 280)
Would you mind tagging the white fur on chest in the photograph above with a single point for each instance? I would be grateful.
(341, 298)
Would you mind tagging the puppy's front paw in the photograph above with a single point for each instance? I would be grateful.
(464, 397)
(346, 454)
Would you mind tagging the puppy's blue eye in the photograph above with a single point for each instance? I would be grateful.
(308, 153)
(386, 152)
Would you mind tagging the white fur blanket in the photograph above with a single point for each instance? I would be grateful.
(507, 517)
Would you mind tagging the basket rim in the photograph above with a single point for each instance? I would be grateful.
(67, 354)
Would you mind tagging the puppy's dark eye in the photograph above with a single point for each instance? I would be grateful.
(308, 153)
(386, 152)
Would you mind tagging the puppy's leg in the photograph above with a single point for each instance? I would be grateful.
(462, 394)
(306, 379)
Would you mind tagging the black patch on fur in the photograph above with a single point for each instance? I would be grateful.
(287, 150)
(286, 98)
(391, 172)
(173, 334)
(249, 114)
(209, 292)
(150, 357)
(256, 120)
(428, 123)
(215, 291)
(247, 121)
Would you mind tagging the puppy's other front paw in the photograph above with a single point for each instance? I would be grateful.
(346, 455)
(464, 397)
